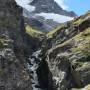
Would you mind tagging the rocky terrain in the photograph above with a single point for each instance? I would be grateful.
(33, 60)
(66, 53)
(69, 54)
(50, 6)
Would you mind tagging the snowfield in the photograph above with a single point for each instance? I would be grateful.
(56, 17)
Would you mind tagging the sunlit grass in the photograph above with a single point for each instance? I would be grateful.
(33, 32)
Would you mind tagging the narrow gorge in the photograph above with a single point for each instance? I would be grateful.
(35, 60)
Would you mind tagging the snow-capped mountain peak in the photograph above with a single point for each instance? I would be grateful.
(47, 12)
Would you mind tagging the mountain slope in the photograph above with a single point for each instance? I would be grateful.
(50, 6)
(49, 13)
(69, 54)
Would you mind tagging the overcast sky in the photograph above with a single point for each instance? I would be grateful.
(25, 4)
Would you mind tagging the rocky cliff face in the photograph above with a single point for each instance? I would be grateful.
(50, 6)
(13, 74)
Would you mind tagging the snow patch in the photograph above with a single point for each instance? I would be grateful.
(55, 17)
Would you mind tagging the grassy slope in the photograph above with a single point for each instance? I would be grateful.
(79, 44)
(85, 36)
(33, 32)
(50, 34)
(76, 21)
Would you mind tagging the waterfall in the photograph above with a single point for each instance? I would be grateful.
(32, 67)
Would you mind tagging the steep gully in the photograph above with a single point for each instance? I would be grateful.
(41, 77)
(37, 65)
(52, 69)
(39, 71)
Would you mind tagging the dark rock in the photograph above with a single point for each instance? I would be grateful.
(13, 74)
(50, 6)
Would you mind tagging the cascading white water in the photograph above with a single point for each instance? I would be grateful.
(32, 67)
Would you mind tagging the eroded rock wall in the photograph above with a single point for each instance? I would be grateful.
(13, 74)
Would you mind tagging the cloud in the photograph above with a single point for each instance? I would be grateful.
(25, 4)
(62, 4)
